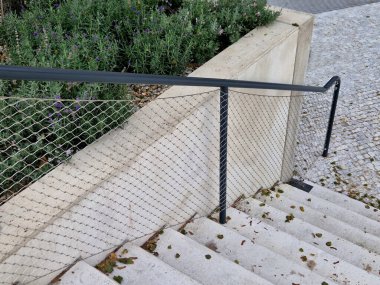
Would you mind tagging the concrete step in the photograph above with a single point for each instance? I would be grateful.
(321, 220)
(300, 252)
(311, 234)
(84, 274)
(344, 201)
(200, 262)
(262, 261)
(146, 269)
(326, 207)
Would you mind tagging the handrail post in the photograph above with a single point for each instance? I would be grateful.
(332, 117)
(223, 154)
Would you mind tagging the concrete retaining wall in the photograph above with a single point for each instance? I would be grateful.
(162, 166)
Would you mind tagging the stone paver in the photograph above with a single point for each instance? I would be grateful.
(347, 43)
(319, 6)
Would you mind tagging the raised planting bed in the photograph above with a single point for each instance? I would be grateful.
(157, 37)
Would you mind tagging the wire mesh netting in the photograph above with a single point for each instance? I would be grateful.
(311, 129)
(81, 177)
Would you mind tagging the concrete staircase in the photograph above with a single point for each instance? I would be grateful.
(280, 236)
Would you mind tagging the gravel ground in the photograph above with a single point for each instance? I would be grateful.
(347, 43)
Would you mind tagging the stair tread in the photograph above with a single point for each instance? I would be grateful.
(324, 206)
(344, 201)
(295, 250)
(314, 217)
(264, 262)
(200, 262)
(84, 274)
(147, 269)
(311, 234)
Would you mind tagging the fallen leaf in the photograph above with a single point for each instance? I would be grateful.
(211, 245)
(183, 231)
(311, 264)
(127, 260)
(289, 218)
(118, 279)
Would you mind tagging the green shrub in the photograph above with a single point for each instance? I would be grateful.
(163, 45)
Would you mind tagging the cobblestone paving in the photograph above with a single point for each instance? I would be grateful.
(347, 43)
(319, 6)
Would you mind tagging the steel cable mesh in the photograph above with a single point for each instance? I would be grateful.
(256, 139)
(81, 177)
(312, 126)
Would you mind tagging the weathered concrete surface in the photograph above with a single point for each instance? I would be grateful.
(309, 235)
(147, 269)
(201, 263)
(84, 274)
(279, 237)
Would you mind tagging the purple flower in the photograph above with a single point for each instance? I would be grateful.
(35, 34)
(59, 105)
(161, 8)
(56, 5)
(97, 59)
(51, 119)
(133, 8)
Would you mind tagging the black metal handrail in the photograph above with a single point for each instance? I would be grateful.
(68, 75)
